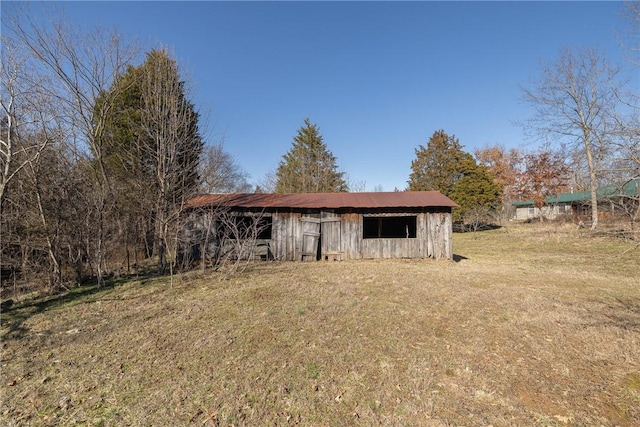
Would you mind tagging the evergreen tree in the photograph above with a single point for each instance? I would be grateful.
(151, 110)
(437, 166)
(152, 147)
(443, 166)
(475, 190)
(309, 167)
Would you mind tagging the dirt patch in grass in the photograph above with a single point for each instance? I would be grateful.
(531, 327)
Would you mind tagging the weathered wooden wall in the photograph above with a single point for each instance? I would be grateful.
(341, 237)
(285, 236)
(439, 228)
(351, 235)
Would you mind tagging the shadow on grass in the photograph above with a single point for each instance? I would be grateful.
(621, 312)
(458, 258)
(459, 227)
(14, 317)
(625, 313)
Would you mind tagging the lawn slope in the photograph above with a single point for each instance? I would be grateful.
(534, 326)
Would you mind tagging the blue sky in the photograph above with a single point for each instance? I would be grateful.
(377, 77)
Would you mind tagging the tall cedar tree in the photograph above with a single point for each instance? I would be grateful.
(309, 167)
(437, 166)
(443, 166)
(126, 149)
(152, 147)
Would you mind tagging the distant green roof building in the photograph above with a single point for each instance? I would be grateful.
(576, 202)
(630, 189)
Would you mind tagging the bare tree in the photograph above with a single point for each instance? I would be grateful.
(268, 182)
(79, 68)
(30, 128)
(358, 186)
(631, 12)
(26, 111)
(575, 103)
(239, 240)
(198, 237)
(219, 173)
(47, 204)
(170, 122)
(42, 227)
(629, 127)
(625, 202)
(223, 240)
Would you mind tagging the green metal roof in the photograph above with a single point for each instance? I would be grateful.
(630, 188)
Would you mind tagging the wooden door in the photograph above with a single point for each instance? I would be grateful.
(330, 228)
(310, 230)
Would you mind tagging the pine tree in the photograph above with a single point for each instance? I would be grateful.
(309, 167)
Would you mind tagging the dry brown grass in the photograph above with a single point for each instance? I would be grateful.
(537, 326)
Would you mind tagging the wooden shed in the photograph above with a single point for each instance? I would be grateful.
(339, 226)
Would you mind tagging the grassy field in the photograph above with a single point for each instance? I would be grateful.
(530, 326)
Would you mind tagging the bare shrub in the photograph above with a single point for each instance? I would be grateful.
(222, 240)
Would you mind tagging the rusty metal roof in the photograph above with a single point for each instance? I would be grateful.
(401, 199)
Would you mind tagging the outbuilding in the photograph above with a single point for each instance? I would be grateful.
(614, 200)
(340, 226)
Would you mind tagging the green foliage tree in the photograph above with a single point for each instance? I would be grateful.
(476, 191)
(150, 109)
(152, 146)
(437, 166)
(309, 167)
(443, 166)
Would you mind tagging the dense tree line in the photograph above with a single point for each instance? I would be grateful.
(98, 153)
(485, 184)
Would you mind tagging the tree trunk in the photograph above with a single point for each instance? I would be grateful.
(593, 185)
(54, 264)
(162, 261)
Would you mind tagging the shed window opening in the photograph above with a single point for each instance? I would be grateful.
(393, 227)
(248, 227)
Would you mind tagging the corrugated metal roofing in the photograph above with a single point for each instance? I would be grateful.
(403, 199)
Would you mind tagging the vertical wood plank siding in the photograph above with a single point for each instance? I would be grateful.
(343, 233)
(285, 236)
(351, 235)
(439, 230)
